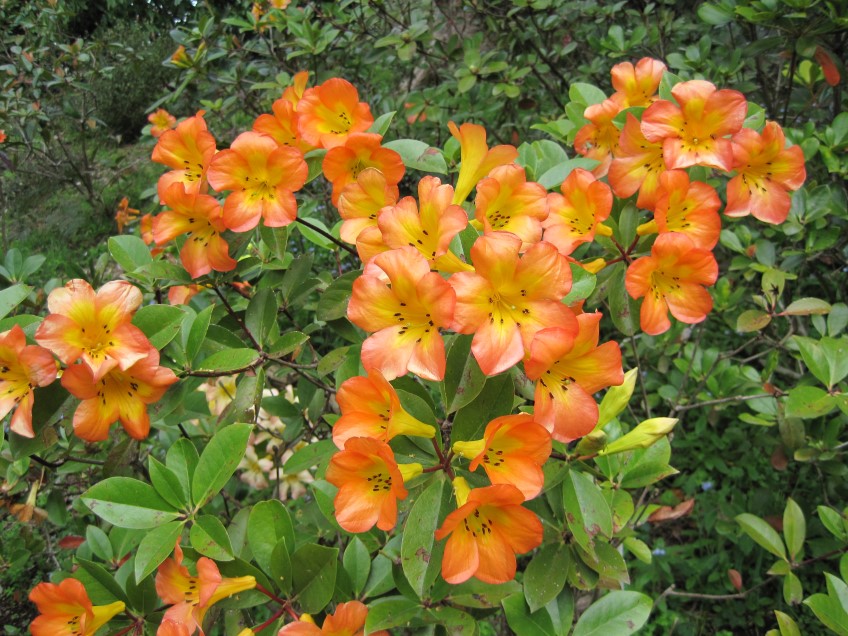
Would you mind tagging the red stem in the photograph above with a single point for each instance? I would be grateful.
(273, 618)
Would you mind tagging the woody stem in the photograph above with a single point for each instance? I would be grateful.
(273, 618)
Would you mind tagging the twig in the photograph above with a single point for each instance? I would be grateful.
(733, 398)
(328, 236)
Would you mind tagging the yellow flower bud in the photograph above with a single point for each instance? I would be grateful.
(616, 399)
(462, 490)
(644, 435)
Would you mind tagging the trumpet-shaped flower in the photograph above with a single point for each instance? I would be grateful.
(672, 279)
(370, 482)
(370, 407)
(255, 469)
(282, 126)
(190, 597)
(172, 628)
(512, 451)
(598, 139)
(65, 610)
(404, 315)
(507, 202)
(125, 214)
(93, 326)
(690, 208)
(347, 620)
(343, 163)
(637, 165)
(765, 171)
(429, 226)
(118, 395)
(263, 177)
(693, 130)
(161, 121)
(486, 532)
(576, 214)
(477, 159)
(637, 85)
(295, 91)
(360, 203)
(187, 150)
(568, 370)
(328, 113)
(201, 217)
(22, 368)
(507, 299)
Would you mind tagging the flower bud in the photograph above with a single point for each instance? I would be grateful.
(616, 399)
(644, 435)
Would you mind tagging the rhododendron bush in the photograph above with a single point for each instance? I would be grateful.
(416, 417)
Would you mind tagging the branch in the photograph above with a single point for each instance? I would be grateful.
(328, 236)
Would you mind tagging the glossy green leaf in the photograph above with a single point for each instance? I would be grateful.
(762, 534)
(420, 561)
(209, 537)
(160, 323)
(357, 564)
(269, 523)
(463, 378)
(545, 575)
(155, 548)
(128, 503)
(314, 570)
(218, 462)
(619, 613)
(794, 528)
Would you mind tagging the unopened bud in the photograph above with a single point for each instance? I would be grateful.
(616, 399)
(410, 471)
(462, 490)
(644, 435)
(591, 443)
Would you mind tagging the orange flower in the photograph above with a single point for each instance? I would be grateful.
(145, 227)
(486, 532)
(343, 163)
(190, 596)
(294, 93)
(512, 451)
(282, 125)
(332, 111)
(187, 150)
(263, 177)
(637, 165)
(429, 229)
(404, 315)
(161, 121)
(124, 214)
(765, 171)
(477, 159)
(370, 483)
(180, 58)
(576, 214)
(2, 136)
(93, 326)
(637, 86)
(568, 371)
(370, 407)
(182, 294)
(688, 208)
(347, 620)
(369, 243)
(360, 203)
(200, 216)
(507, 299)
(22, 368)
(672, 279)
(66, 610)
(599, 138)
(693, 133)
(119, 395)
(507, 202)
(172, 628)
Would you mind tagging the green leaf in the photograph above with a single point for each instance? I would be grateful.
(553, 177)
(582, 284)
(545, 575)
(11, 297)
(752, 320)
(794, 528)
(585, 94)
(587, 512)
(624, 311)
(229, 360)
(309, 456)
(357, 564)
(287, 343)
(382, 123)
(834, 522)
(260, 318)
(638, 548)
(417, 155)
(166, 483)
(463, 378)
(314, 570)
(218, 462)
(197, 333)
(392, 611)
(715, 14)
(269, 523)
(104, 578)
(806, 307)
(494, 400)
(160, 323)
(129, 251)
(182, 460)
(281, 567)
(793, 592)
(788, 627)
(155, 548)
(420, 562)
(522, 621)
(809, 402)
(762, 533)
(128, 503)
(829, 611)
(333, 302)
(99, 543)
(617, 614)
(209, 537)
